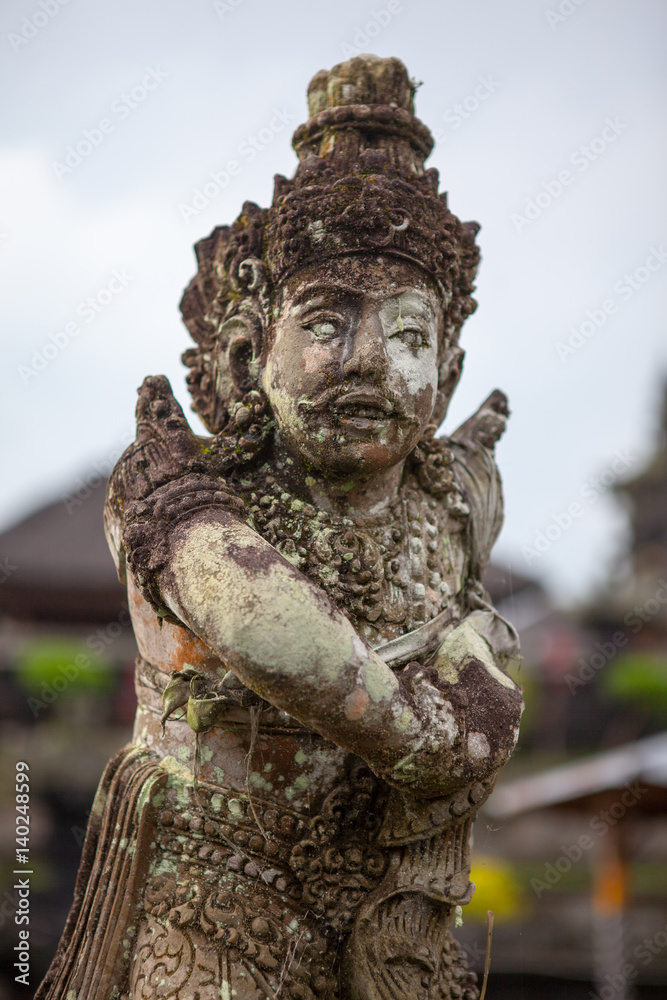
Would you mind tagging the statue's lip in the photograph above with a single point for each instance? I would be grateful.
(360, 400)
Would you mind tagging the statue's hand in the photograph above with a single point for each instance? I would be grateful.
(161, 477)
(163, 432)
(487, 425)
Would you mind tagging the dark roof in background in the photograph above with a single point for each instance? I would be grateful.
(57, 565)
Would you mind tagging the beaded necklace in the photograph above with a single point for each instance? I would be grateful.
(389, 572)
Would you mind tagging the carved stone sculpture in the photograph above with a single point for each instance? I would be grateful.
(323, 699)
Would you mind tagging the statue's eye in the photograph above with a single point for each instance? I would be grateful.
(411, 334)
(323, 327)
(324, 330)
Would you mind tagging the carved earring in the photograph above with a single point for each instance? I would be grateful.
(241, 358)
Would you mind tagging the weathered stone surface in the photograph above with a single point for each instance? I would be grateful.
(324, 701)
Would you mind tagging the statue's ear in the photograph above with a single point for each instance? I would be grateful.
(449, 373)
(239, 350)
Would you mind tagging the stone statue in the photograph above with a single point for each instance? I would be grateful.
(323, 696)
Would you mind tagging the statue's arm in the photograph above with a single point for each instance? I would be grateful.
(427, 730)
(284, 638)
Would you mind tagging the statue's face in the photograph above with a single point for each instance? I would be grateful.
(351, 369)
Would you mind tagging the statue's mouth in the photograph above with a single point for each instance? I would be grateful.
(363, 406)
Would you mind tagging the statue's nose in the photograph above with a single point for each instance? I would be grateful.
(366, 349)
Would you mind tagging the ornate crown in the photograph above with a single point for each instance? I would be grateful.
(360, 187)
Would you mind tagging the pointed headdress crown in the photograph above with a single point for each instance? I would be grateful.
(360, 188)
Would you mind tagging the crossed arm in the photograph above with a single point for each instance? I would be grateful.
(284, 638)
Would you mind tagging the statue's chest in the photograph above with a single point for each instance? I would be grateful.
(390, 574)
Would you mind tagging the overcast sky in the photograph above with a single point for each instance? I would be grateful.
(549, 119)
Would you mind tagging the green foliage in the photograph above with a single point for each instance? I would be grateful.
(62, 665)
(640, 678)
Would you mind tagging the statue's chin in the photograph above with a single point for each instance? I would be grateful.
(356, 446)
(356, 458)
